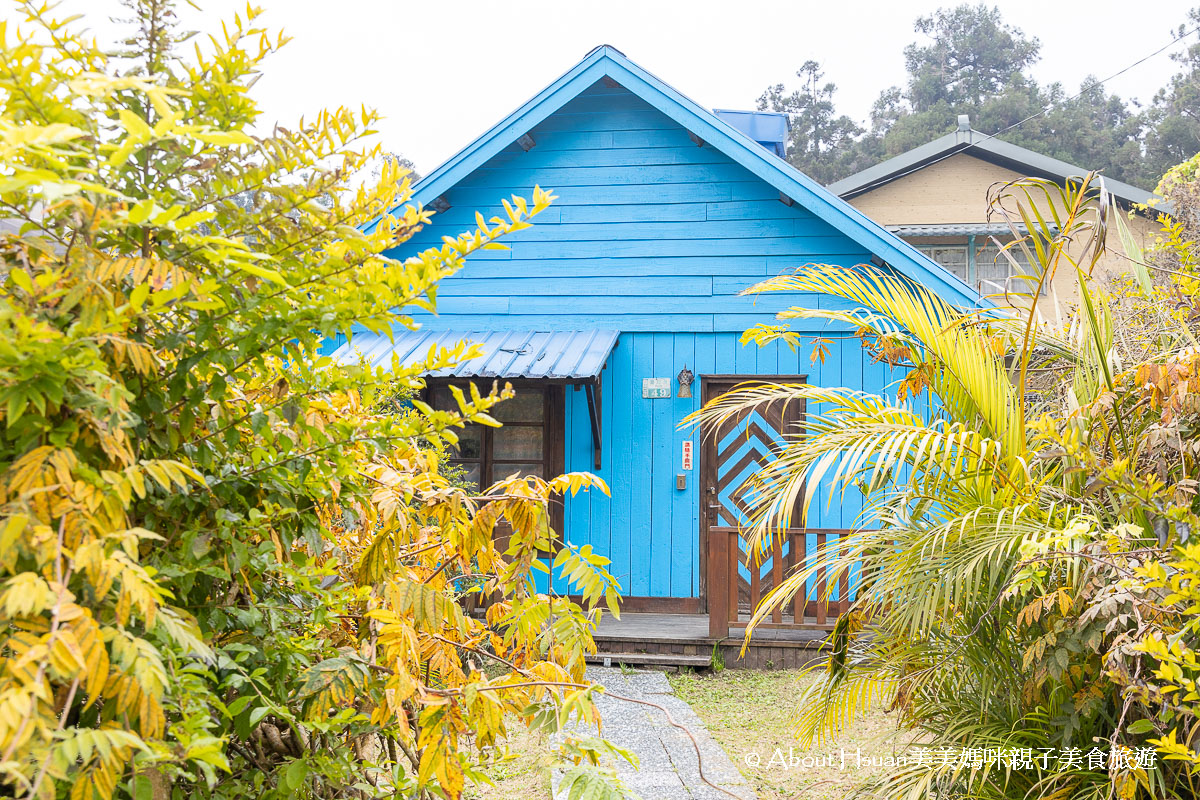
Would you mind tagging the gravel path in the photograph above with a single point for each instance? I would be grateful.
(669, 768)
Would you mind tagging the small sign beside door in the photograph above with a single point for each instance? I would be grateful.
(656, 388)
(687, 454)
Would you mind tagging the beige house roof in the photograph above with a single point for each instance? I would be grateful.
(987, 148)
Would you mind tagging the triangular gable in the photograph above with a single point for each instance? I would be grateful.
(608, 62)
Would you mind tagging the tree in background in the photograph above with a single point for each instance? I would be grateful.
(395, 160)
(972, 56)
(970, 61)
(229, 567)
(821, 144)
(1174, 117)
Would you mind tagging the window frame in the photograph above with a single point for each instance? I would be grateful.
(989, 252)
(553, 427)
(975, 255)
(964, 248)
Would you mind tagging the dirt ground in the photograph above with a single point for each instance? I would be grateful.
(525, 774)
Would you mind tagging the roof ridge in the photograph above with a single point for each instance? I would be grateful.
(608, 62)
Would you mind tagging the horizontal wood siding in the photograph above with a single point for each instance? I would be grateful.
(644, 225)
(653, 236)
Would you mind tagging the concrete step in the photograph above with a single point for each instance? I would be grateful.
(612, 659)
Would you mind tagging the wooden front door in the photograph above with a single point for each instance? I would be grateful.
(730, 456)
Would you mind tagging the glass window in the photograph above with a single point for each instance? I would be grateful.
(995, 271)
(470, 443)
(528, 406)
(440, 398)
(469, 474)
(517, 443)
(951, 256)
(501, 471)
(485, 454)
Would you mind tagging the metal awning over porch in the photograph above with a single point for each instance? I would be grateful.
(564, 356)
(573, 357)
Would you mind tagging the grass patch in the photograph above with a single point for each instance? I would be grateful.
(524, 773)
(752, 712)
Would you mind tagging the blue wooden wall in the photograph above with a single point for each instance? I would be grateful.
(654, 236)
(649, 527)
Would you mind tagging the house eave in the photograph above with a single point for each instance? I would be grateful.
(607, 62)
(994, 151)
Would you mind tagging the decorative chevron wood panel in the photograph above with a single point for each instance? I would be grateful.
(733, 456)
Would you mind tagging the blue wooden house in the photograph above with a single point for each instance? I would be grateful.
(622, 290)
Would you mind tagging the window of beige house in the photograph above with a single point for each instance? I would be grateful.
(951, 256)
(995, 272)
(989, 270)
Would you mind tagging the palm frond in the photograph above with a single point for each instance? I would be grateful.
(829, 707)
(966, 376)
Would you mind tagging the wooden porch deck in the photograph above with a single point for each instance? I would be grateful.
(684, 640)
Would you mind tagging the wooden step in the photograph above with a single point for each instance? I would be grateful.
(610, 659)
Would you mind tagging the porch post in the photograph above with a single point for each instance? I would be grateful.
(718, 584)
(972, 280)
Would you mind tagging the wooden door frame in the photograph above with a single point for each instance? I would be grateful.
(709, 464)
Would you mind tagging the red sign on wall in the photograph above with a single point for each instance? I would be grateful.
(687, 454)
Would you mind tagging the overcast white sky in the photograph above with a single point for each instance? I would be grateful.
(443, 71)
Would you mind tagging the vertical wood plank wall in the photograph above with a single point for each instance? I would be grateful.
(649, 528)
(653, 236)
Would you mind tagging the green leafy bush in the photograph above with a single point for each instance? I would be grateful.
(229, 567)
(1018, 590)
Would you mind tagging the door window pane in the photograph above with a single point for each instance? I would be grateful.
(517, 444)
(528, 406)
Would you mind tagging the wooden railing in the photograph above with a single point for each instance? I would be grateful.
(732, 598)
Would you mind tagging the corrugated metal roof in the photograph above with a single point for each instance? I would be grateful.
(953, 229)
(548, 355)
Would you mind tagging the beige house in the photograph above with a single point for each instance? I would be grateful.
(936, 198)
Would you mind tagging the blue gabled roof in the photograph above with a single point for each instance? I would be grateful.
(608, 62)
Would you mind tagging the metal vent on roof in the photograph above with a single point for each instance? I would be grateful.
(765, 127)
